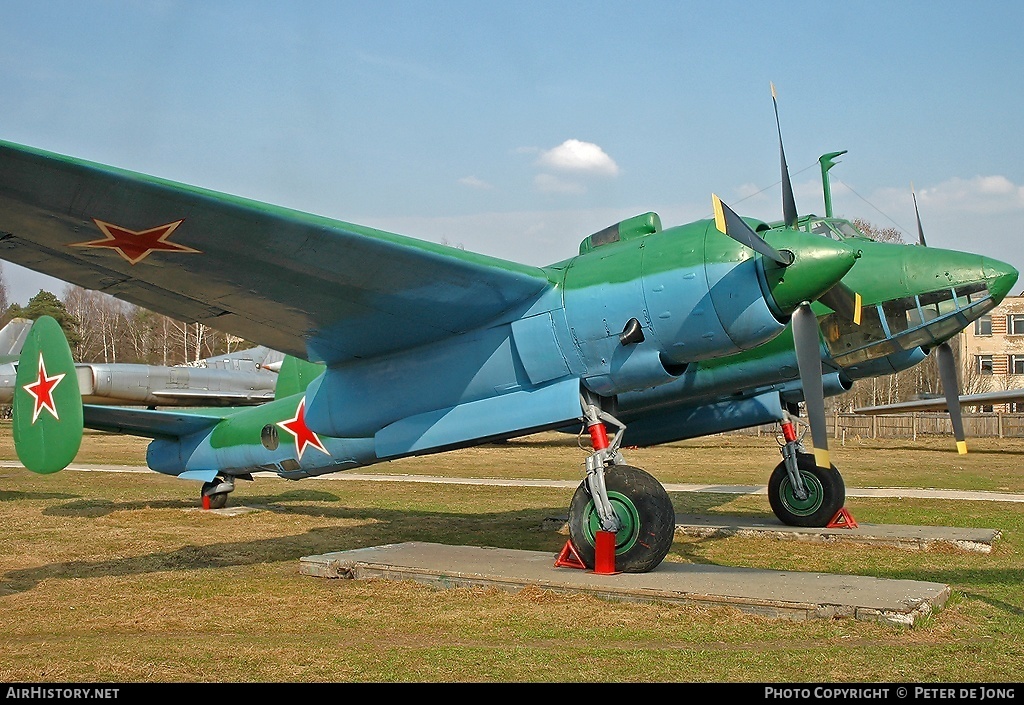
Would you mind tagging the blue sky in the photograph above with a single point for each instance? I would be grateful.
(517, 129)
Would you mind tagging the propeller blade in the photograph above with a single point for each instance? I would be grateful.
(732, 225)
(808, 358)
(844, 301)
(789, 213)
(951, 389)
(920, 230)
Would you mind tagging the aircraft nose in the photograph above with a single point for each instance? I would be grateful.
(1000, 276)
(818, 264)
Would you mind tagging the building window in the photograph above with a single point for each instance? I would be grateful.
(1017, 364)
(984, 364)
(983, 326)
(1015, 324)
(1016, 407)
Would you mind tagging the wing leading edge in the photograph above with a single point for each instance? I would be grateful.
(309, 286)
(150, 423)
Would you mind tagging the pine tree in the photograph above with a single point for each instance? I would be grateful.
(47, 304)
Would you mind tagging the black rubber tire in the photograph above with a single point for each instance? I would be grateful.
(645, 510)
(827, 493)
(218, 500)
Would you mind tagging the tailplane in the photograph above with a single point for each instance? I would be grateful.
(47, 403)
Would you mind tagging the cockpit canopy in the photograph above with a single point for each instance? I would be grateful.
(909, 322)
(834, 228)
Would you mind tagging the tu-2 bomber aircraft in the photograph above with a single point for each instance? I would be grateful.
(398, 347)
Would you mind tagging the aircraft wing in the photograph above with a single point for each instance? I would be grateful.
(939, 403)
(149, 423)
(305, 285)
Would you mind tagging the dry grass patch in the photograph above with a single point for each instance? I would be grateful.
(119, 578)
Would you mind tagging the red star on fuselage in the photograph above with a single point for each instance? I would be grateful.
(135, 245)
(42, 391)
(303, 436)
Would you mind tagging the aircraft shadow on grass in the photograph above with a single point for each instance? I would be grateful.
(374, 527)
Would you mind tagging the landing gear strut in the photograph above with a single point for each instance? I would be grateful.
(620, 499)
(801, 493)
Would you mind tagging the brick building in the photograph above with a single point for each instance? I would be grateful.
(992, 352)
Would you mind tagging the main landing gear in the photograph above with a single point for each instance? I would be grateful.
(215, 493)
(620, 499)
(799, 492)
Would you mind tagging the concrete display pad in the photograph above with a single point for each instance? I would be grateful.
(788, 595)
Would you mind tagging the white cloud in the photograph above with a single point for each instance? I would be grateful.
(981, 194)
(578, 156)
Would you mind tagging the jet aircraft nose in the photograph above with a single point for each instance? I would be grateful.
(818, 264)
(1000, 277)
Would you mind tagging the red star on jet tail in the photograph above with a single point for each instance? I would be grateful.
(42, 391)
(135, 245)
(303, 436)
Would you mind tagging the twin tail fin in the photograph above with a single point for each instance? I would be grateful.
(47, 404)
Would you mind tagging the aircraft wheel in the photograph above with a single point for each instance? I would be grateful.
(826, 493)
(644, 510)
(216, 493)
(218, 500)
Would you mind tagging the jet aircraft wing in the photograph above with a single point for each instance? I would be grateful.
(939, 403)
(305, 285)
(201, 397)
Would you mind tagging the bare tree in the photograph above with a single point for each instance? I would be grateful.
(3, 293)
(877, 233)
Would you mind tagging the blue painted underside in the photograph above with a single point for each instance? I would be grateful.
(496, 417)
(665, 426)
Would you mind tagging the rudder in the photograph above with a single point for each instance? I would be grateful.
(295, 375)
(47, 403)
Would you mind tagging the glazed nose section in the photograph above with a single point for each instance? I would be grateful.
(1000, 277)
(818, 264)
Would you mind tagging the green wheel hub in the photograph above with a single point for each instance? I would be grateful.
(809, 505)
(629, 519)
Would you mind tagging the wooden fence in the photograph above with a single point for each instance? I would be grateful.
(913, 425)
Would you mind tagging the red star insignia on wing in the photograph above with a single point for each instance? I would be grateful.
(42, 391)
(135, 245)
(303, 436)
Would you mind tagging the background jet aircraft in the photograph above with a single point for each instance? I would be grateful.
(399, 347)
(12, 338)
(240, 378)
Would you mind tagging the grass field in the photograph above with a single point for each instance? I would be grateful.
(112, 577)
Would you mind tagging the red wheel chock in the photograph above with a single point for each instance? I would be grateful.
(842, 520)
(604, 555)
(568, 558)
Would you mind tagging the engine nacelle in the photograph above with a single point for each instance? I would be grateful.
(640, 309)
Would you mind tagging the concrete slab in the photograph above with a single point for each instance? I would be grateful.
(918, 538)
(790, 595)
(922, 538)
